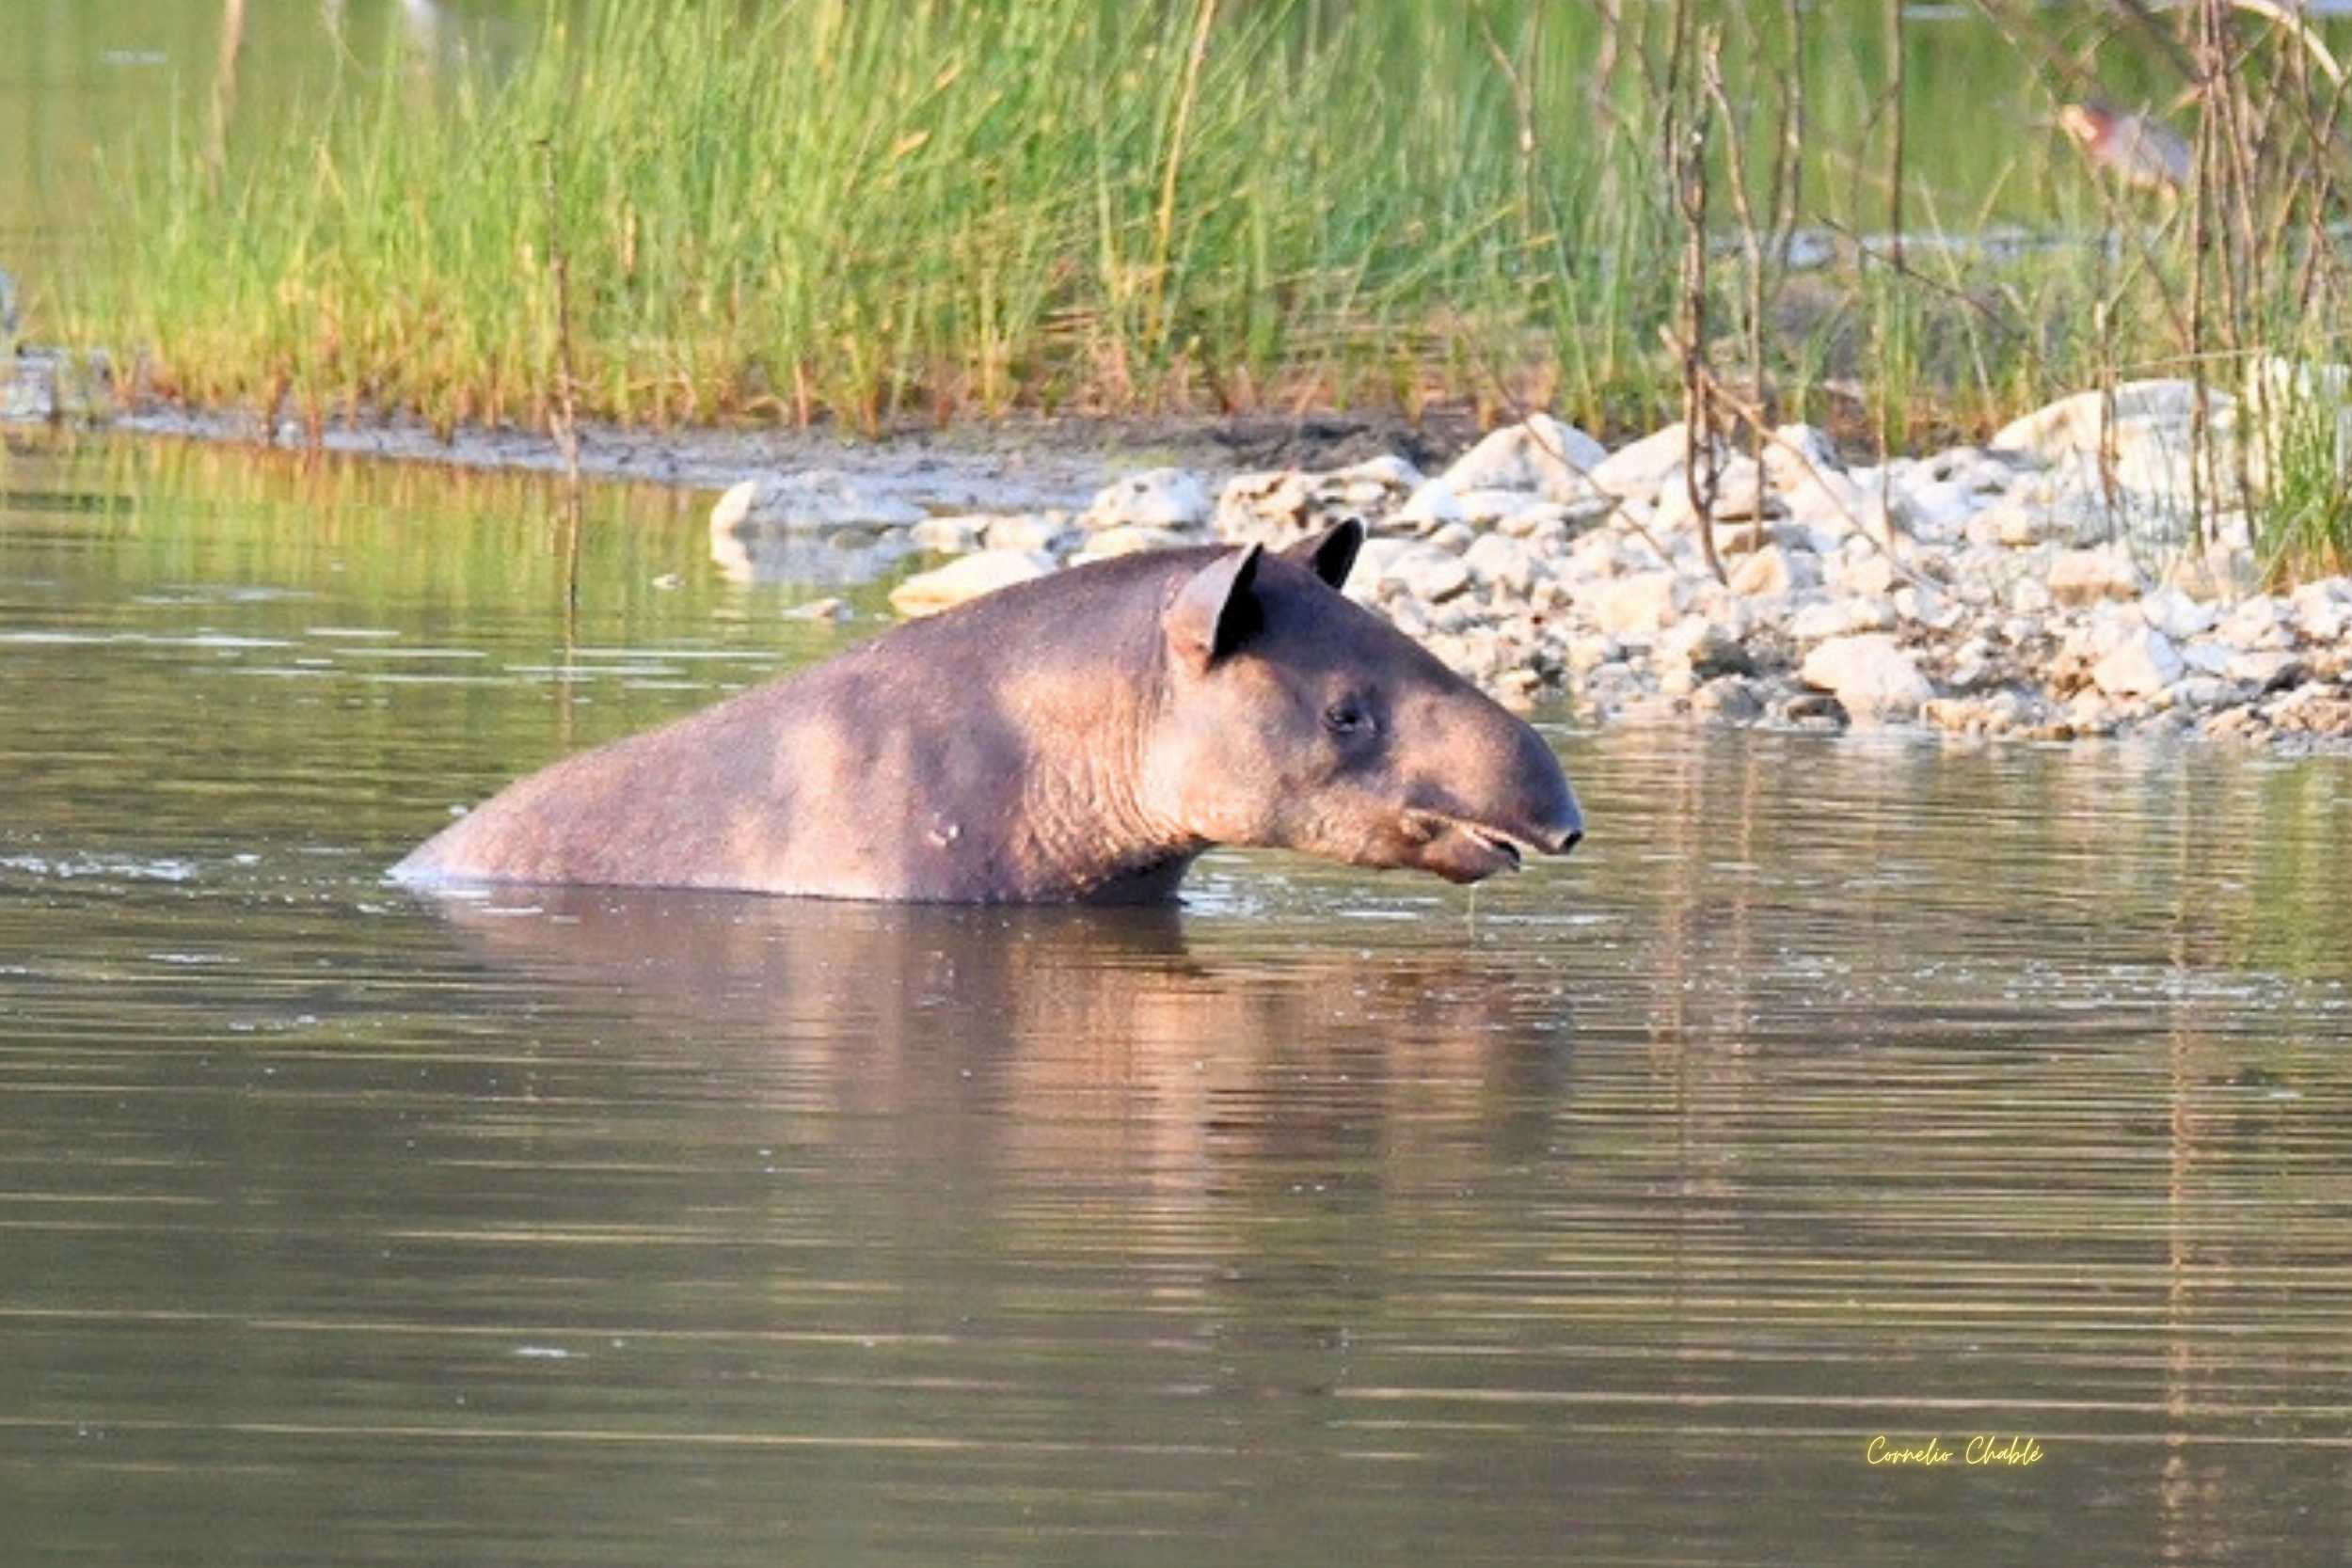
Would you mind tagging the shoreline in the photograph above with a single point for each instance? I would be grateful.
(1992, 592)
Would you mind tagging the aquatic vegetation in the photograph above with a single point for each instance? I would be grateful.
(818, 209)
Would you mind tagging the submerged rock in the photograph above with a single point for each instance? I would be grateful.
(928, 593)
(811, 497)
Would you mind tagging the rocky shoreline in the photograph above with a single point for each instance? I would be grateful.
(2049, 585)
(2054, 583)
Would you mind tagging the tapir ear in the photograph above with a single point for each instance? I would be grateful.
(1331, 555)
(1215, 611)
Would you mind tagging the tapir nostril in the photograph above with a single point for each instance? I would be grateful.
(1575, 836)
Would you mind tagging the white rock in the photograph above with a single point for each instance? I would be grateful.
(2175, 615)
(2206, 657)
(1428, 573)
(1129, 539)
(1540, 454)
(1387, 471)
(1431, 506)
(1738, 496)
(734, 507)
(1495, 508)
(1832, 503)
(2259, 622)
(1636, 606)
(1156, 497)
(928, 593)
(1506, 562)
(949, 535)
(2145, 460)
(1030, 531)
(2144, 663)
(1641, 467)
(1830, 619)
(2266, 669)
(811, 497)
(1797, 454)
(1874, 680)
(1934, 509)
(1859, 569)
(1923, 603)
(1702, 647)
(2086, 576)
(2325, 610)
(1777, 569)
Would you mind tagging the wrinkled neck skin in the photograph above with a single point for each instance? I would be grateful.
(1094, 829)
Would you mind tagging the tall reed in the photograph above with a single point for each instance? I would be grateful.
(707, 209)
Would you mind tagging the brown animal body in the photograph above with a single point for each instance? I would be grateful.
(1081, 738)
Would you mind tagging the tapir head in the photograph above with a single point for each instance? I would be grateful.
(1292, 718)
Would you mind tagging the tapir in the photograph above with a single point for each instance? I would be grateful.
(1081, 738)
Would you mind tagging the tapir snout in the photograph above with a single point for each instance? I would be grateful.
(1492, 793)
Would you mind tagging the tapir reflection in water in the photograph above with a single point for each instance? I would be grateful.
(1082, 737)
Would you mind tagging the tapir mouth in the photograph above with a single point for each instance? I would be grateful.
(1462, 850)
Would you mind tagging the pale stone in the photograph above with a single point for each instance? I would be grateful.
(968, 577)
(1539, 454)
(1797, 454)
(810, 497)
(816, 609)
(2208, 658)
(1641, 467)
(1874, 680)
(2264, 670)
(1030, 531)
(1703, 647)
(1777, 569)
(1387, 472)
(1859, 569)
(2141, 664)
(1833, 504)
(1506, 562)
(1635, 606)
(1728, 700)
(2325, 610)
(1739, 495)
(1427, 573)
(1431, 506)
(1129, 539)
(1923, 603)
(1841, 617)
(733, 508)
(2175, 615)
(1495, 508)
(2260, 622)
(1156, 497)
(2086, 576)
(949, 535)
(1934, 509)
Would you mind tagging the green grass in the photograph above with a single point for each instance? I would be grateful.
(828, 209)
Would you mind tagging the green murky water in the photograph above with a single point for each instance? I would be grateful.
(1836, 1090)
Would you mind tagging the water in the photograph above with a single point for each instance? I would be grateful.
(1836, 1090)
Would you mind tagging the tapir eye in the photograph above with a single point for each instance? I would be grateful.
(1347, 716)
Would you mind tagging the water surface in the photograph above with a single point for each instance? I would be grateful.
(1837, 1090)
